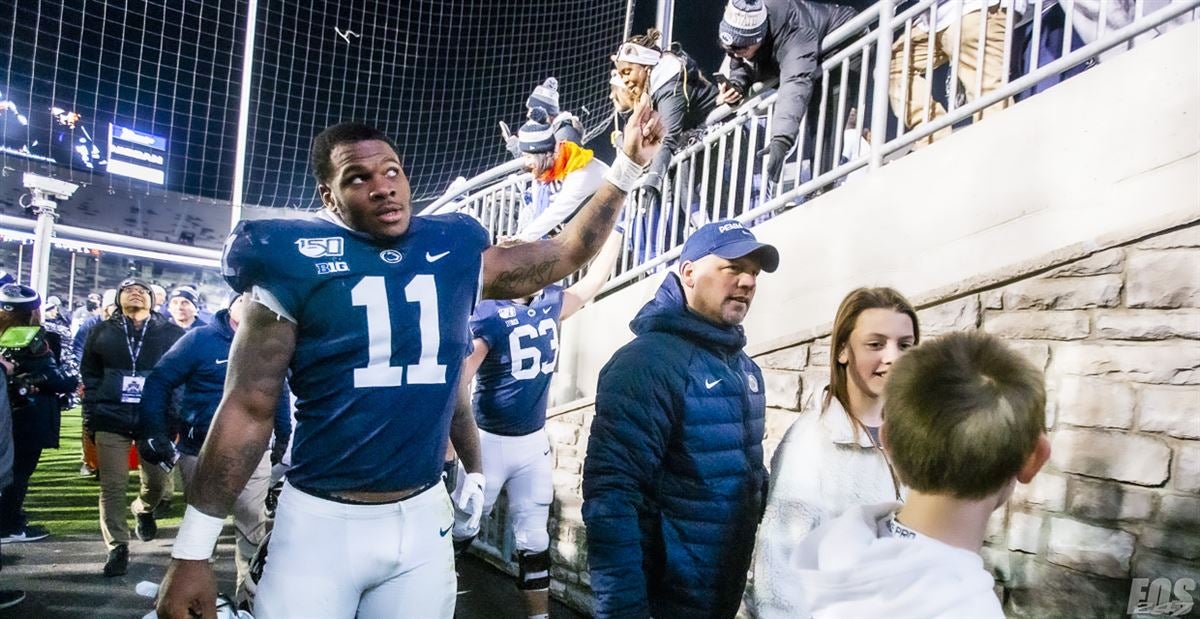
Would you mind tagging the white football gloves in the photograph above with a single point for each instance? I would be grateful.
(470, 502)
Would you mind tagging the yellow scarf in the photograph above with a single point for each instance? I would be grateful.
(571, 157)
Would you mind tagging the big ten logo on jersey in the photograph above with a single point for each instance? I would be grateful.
(509, 316)
(337, 266)
(331, 246)
(529, 361)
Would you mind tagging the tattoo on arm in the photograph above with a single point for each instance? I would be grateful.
(258, 360)
(537, 275)
(513, 272)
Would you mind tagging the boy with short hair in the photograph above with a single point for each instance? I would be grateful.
(965, 421)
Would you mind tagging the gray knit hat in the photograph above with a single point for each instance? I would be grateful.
(545, 97)
(743, 24)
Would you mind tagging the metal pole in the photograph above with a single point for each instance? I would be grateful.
(879, 101)
(71, 284)
(627, 31)
(39, 267)
(239, 165)
(663, 19)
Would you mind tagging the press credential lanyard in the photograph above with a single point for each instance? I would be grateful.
(134, 353)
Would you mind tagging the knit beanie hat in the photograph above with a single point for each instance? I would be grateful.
(136, 281)
(536, 136)
(743, 24)
(186, 292)
(545, 97)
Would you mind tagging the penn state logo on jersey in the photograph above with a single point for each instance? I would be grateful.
(752, 382)
(330, 246)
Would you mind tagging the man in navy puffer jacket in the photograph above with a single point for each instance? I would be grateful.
(198, 362)
(674, 483)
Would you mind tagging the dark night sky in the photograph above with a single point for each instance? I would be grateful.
(436, 75)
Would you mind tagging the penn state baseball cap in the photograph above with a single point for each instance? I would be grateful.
(730, 240)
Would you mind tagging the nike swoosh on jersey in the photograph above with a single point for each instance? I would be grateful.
(443, 532)
(547, 310)
(222, 361)
(435, 257)
(708, 385)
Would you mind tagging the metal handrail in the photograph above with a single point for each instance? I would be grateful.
(718, 175)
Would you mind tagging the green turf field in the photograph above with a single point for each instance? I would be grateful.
(67, 504)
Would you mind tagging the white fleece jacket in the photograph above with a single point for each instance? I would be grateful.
(819, 470)
(853, 566)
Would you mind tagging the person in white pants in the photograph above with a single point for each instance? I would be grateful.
(516, 353)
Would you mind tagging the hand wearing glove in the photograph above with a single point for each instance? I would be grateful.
(157, 450)
(775, 151)
(470, 502)
(278, 450)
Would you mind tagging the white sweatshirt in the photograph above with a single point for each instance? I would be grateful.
(819, 470)
(855, 566)
(552, 203)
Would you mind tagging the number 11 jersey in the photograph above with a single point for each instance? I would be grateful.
(381, 333)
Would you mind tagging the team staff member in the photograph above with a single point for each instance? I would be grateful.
(516, 353)
(183, 305)
(673, 482)
(197, 362)
(117, 358)
(369, 307)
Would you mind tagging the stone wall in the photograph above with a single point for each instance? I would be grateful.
(1118, 335)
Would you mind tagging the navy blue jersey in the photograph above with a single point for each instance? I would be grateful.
(381, 333)
(513, 382)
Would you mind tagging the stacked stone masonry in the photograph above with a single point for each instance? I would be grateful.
(1118, 335)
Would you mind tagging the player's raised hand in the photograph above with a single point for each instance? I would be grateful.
(644, 133)
(188, 590)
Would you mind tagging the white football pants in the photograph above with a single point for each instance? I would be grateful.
(333, 560)
(523, 465)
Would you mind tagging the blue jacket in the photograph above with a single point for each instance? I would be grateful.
(674, 483)
(197, 362)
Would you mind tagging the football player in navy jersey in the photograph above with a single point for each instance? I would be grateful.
(369, 307)
(516, 353)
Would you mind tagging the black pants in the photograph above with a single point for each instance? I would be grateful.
(25, 460)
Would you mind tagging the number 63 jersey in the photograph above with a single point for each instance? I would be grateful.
(381, 333)
(513, 381)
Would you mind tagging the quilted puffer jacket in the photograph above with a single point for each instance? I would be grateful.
(674, 482)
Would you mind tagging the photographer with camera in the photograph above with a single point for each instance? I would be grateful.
(41, 376)
(119, 354)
